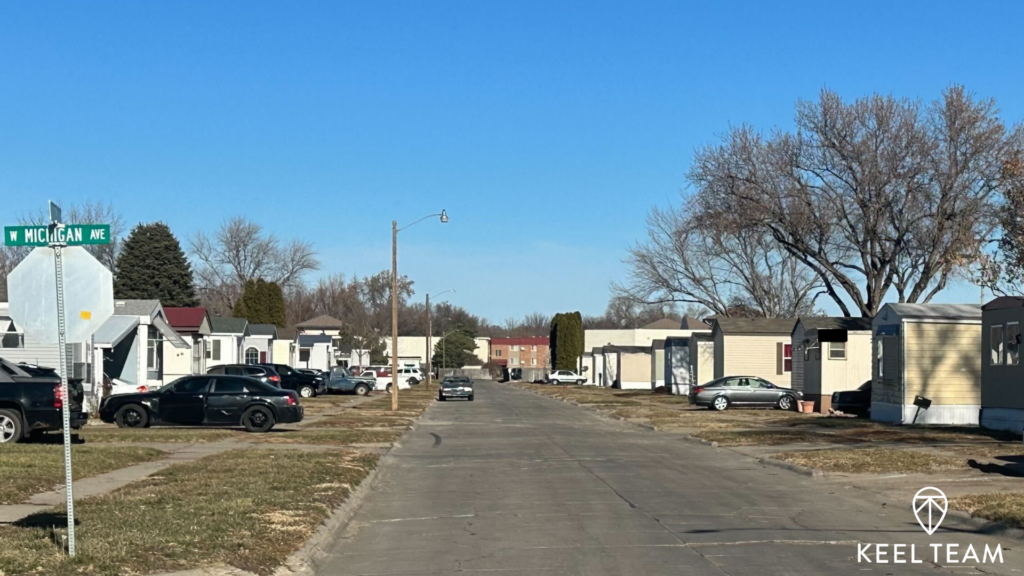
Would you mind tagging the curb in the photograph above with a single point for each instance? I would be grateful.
(986, 527)
(692, 438)
(802, 470)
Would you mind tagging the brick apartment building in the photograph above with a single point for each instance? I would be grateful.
(520, 352)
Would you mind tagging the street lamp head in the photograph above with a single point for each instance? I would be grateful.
(444, 216)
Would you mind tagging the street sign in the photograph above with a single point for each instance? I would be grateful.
(69, 234)
(56, 216)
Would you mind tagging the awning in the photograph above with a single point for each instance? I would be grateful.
(114, 330)
(169, 334)
(890, 330)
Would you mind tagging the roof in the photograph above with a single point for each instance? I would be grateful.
(308, 340)
(629, 349)
(263, 330)
(223, 325)
(599, 350)
(835, 322)
(535, 340)
(322, 322)
(756, 325)
(1004, 302)
(136, 307)
(286, 333)
(187, 319)
(663, 324)
(950, 311)
(691, 323)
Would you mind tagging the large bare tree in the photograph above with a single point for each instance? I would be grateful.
(241, 250)
(876, 195)
(704, 260)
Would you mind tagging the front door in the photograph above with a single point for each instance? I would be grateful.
(185, 403)
(226, 400)
(263, 357)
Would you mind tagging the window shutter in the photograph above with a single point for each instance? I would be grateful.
(778, 358)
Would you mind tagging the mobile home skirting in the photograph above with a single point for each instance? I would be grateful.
(1008, 419)
(951, 414)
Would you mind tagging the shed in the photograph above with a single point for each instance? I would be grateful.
(657, 364)
(632, 367)
(931, 351)
(831, 355)
(702, 357)
(1002, 376)
(676, 369)
(754, 347)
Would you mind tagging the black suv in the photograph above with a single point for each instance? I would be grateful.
(264, 374)
(307, 385)
(31, 403)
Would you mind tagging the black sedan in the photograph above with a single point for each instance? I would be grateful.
(455, 387)
(857, 402)
(205, 401)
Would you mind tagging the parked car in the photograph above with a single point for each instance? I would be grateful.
(342, 382)
(857, 402)
(455, 387)
(211, 400)
(31, 402)
(515, 374)
(264, 374)
(383, 383)
(744, 391)
(560, 376)
(412, 376)
(307, 385)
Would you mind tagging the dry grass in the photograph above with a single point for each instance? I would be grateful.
(872, 460)
(335, 436)
(757, 437)
(248, 509)
(1007, 508)
(105, 434)
(27, 469)
(993, 451)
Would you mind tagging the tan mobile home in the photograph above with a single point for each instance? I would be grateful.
(754, 347)
(1002, 376)
(931, 351)
(632, 370)
(827, 367)
(657, 364)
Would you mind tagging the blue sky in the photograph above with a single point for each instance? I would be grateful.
(547, 130)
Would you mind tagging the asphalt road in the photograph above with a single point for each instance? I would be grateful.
(514, 483)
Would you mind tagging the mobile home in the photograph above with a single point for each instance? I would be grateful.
(1002, 377)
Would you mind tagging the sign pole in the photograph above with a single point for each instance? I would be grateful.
(65, 398)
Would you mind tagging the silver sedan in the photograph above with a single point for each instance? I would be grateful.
(744, 391)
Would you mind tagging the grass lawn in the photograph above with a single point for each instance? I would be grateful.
(872, 460)
(27, 469)
(336, 436)
(158, 434)
(758, 437)
(1007, 508)
(247, 508)
(351, 419)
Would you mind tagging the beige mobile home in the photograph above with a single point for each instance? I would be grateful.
(1002, 376)
(754, 347)
(657, 364)
(931, 351)
(702, 358)
(632, 367)
(827, 367)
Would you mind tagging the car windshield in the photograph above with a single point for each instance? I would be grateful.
(257, 386)
(168, 386)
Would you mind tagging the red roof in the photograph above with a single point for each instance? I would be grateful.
(533, 341)
(188, 319)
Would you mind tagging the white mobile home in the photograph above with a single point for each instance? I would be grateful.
(702, 358)
(225, 341)
(657, 364)
(929, 351)
(830, 355)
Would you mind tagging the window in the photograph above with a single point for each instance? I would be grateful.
(213, 352)
(837, 350)
(229, 386)
(996, 345)
(533, 348)
(1012, 343)
(252, 356)
(787, 357)
(512, 362)
(152, 354)
(192, 386)
(533, 362)
(304, 355)
(757, 383)
(497, 352)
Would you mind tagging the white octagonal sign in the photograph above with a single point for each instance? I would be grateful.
(88, 294)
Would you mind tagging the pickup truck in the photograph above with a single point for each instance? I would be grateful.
(30, 401)
(342, 381)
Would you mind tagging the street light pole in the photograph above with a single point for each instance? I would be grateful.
(394, 301)
(430, 334)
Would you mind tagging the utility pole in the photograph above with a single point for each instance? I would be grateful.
(430, 369)
(394, 315)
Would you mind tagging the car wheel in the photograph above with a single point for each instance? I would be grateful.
(786, 402)
(411, 382)
(580, 382)
(307, 391)
(10, 426)
(131, 416)
(387, 389)
(441, 398)
(720, 403)
(471, 398)
(258, 419)
(362, 390)
(555, 382)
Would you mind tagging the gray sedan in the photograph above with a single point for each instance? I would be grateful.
(744, 391)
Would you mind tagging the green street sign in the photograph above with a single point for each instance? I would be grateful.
(70, 234)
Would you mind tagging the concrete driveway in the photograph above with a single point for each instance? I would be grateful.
(514, 483)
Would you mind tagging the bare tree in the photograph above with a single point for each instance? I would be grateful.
(875, 195)
(241, 250)
(705, 262)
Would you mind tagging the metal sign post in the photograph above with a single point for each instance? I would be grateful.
(65, 398)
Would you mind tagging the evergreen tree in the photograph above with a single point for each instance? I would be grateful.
(455, 351)
(152, 266)
(261, 302)
(566, 340)
(246, 306)
(275, 305)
